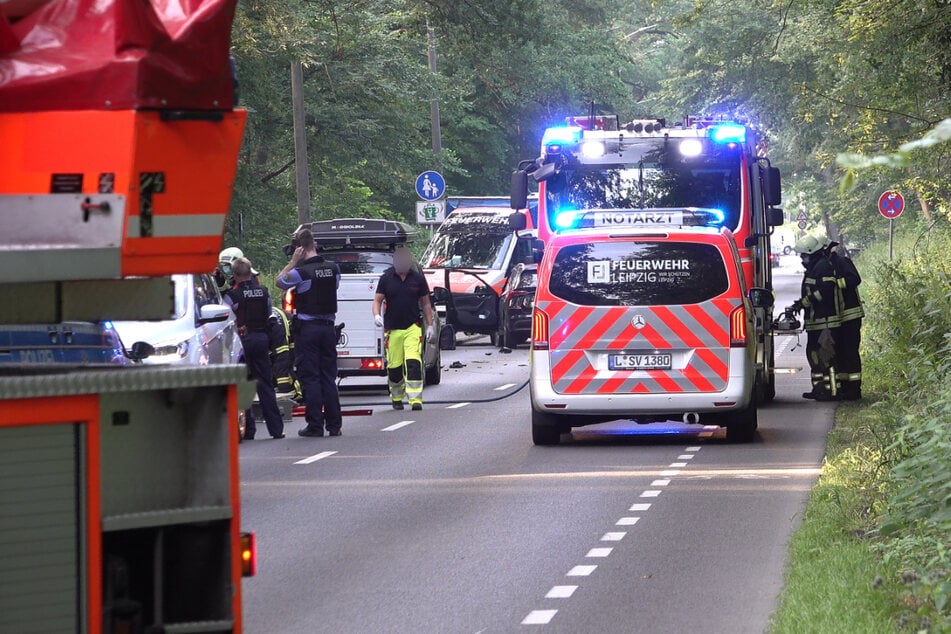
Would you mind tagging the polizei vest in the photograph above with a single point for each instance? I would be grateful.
(253, 306)
(321, 297)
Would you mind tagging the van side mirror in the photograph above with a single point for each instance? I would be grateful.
(775, 217)
(212, 313)
(772, 187)
(761, 297)
(518, 221)
(140, 350)
(519, 190)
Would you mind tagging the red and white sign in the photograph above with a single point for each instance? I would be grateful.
(891, 204)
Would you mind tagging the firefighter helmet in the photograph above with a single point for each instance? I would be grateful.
(808, 245)
(230, 254)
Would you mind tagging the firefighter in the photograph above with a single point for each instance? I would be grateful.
(848, 334)
(404, 290)
(818, 304)
(282, 353)
(315, 281)
(224, 275)
(252, 306)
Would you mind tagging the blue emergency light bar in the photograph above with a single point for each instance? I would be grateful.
(643, 218)
(562, 135)
(728, 133)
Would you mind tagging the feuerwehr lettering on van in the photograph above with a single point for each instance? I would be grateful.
(636, 271)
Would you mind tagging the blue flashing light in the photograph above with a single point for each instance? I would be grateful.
(718, 215)
(566, 219)
(562, 135)
(728, 133)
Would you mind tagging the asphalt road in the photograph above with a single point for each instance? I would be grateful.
(450, 520)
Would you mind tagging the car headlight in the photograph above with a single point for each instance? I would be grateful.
(171, 352)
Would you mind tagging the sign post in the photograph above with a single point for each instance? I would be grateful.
(891, 204)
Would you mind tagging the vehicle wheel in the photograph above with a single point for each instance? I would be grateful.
(447, 337)
(741, 427)
(787, 250)
(545, 430)
(434, 374)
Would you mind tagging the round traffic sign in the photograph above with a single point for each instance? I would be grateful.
(891, 204)
(430, 185)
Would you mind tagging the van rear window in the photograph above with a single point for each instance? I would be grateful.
(638, 273)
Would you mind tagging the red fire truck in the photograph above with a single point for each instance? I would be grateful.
(119, 490)
(709, 163)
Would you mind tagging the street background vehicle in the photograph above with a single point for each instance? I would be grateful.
(472, 254)
(363, 249)
(201, 330)
(68, 343)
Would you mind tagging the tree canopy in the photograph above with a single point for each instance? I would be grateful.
(823, 77)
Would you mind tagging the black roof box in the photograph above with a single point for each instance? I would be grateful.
(358, 232)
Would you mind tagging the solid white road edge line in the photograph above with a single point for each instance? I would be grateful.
(398, 425)
(316, 457)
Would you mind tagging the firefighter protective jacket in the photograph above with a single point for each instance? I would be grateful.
(819, 294)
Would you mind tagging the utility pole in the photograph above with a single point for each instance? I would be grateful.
(434, 101)
(300, 143)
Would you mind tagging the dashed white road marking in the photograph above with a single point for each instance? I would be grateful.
(316, 457)
(640, 506)
(458, 405)
(670, 472)
(599, 552)
(686, 456)
(692, 449)
(660, 483)
(539, 617)
(627, 521)
(650, 494)
(677, 464)
(398, 425)
(581, 571)
(561, 592)
(504, 387)
(614, 536)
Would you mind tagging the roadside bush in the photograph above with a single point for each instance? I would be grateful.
(907, 352)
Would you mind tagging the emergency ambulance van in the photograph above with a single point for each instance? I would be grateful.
(643, 315)
(471, 256)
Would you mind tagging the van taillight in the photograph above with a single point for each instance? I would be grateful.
(249, 555)
(738, 327)
(539, 330)
(289, 301)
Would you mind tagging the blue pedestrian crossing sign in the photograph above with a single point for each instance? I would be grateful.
(430, 185)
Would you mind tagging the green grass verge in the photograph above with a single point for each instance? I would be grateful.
(834, 580)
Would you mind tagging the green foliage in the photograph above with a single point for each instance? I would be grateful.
(908, 347)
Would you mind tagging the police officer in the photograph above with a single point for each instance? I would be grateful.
(315, 283)
(252, 305)
(404, 289)
(848, 334)
(818, 304)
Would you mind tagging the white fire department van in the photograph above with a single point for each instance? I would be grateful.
(643, 315)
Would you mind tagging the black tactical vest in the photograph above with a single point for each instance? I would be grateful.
(321, 297)
(253, 305)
